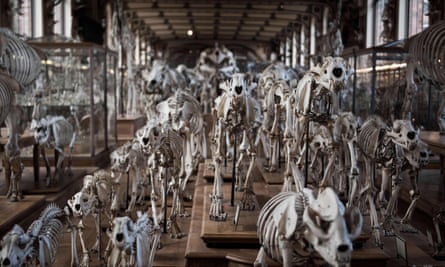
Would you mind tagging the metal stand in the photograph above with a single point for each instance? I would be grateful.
(232, 194)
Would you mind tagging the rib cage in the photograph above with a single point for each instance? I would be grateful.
(7, 96)
(18, 58)
(427, 51)
(47, 228)
(369, 136)
(267, 228)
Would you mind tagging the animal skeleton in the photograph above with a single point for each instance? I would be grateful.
(275, 83)
(166, 147)
(94, 198)
(183, 112)
(236, 111)
(133, 244)
(292, 226)
(55, 132)
(18, 59)
(12, 163)
(162, 81)
(215, 65)
(129, 156)
(412, 155)
(386, 147)
(38, 244)
(425, 54)
(314, 100)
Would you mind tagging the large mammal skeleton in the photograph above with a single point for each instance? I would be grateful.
(425, 54)
(275, 84)
(57, 133)
(387, 147)
(19, 67)
(290, 221)
(166, 146)
(129, 156)
(235, 112)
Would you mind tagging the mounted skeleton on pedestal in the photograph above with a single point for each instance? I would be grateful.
(93, 199)
(166, 147)
(236, 112)
(294, 226)
(19, 67)
(275, 83)
(55, 132)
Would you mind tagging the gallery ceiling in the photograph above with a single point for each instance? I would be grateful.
(169, 21)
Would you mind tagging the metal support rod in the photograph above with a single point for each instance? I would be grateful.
(306, 156)
(165, 202)
(232, 193)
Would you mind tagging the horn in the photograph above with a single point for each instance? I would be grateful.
(309, 217)
(354, 221)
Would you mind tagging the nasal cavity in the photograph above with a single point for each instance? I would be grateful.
(238, 89)
(153, 82)
(343, 248)
(6, 262)
(119, 237)
(411, 135)
(338, 72)
(77, 206)
(145, 140)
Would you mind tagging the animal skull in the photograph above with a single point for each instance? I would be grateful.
(404, 135)
(328, 225)
(333, 74)
(123, 233)
(13, 250)
(120, 161)
(150, 137)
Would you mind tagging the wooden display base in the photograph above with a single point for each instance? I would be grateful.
(127, 125)
(276, 177)
(14, 212)
(209, 171)
(40, 186)
(224, 233)
(200, 253)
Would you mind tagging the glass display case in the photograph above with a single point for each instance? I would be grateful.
(79, 83)
(377, 83)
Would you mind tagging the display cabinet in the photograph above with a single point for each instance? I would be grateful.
(378, 83)
(79, 83)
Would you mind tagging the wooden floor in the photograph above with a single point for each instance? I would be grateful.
(191, 248)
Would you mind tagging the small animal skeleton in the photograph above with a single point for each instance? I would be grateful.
(38, 244)
(293, 226)
(129, 156)
(133, 243)
(57, 133)
(94, 198)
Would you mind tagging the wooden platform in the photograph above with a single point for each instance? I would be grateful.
(276, 177)
(209, 171)
(127, 126)
(227, 247)
(14, 212)
(226, 233)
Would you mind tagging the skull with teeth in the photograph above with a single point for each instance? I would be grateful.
(404, 134)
